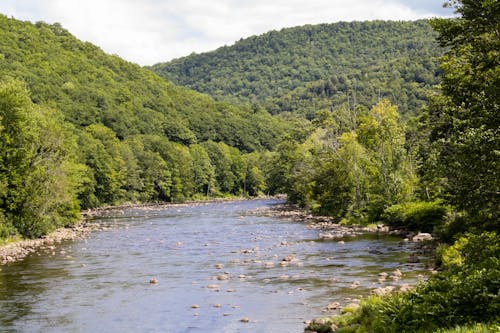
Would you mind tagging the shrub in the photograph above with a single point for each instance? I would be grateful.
(419, 216)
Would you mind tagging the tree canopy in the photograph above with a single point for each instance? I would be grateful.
(313, 67)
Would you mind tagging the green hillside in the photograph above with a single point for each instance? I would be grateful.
(89, 87)
(313, 67)
(80, 128)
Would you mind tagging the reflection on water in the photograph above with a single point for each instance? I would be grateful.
(215, 264)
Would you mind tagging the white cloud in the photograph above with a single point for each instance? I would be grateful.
(151, 31)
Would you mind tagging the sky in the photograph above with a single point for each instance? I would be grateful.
(151, 31)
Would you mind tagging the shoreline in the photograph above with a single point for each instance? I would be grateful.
(18, 250)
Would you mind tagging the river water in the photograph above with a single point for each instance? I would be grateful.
(102, 283)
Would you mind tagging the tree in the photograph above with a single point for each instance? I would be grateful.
(203, 170)
(466, 122)
(39, 178)
(382, 133)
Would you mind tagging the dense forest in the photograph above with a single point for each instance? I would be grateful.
(81, 129)
(315, 67)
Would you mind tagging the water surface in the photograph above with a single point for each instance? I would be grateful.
(102, 284)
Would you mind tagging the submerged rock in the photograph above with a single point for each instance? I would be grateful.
(223, 277)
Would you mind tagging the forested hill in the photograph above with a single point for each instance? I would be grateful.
(308, 68)
(90, 86)
(80, 129)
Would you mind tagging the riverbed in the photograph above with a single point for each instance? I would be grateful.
(211, 267)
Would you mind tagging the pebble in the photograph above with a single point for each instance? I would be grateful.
(333, 306)
(153, 281)
(245, 320)
(195, 306)
(213, 286)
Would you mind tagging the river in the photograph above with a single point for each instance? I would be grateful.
(214, 264)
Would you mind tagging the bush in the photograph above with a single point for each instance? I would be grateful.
(6, 228)
(476, 328)
(419, 216)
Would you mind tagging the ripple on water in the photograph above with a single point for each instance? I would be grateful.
(105, 286)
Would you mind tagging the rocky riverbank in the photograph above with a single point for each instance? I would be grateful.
(329, 228)
(20, 249)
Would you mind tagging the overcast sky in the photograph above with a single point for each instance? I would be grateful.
(151, 31)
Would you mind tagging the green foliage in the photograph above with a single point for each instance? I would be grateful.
(315, 67)
(91, 87)
(38, 173)
(419, 215)
(465, 122)
(353, 166)
(474, 328)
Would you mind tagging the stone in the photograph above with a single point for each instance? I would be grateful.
(195, 306)
(153, 281)
(245, 320)
(397, 272)
(355, 284)
(222, 277)
(383, 290)
(219, 266)
(213, 286)
(333, 306)
(318, 321)
(289, 258)
(422, 236)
